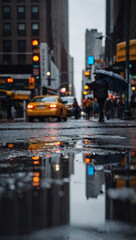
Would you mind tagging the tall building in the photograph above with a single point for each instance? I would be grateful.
(120, 29)
(116, 29)
(93, 49)
(25, 20)
(71, 78)
(93, 45)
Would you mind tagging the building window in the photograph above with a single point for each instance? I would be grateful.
(6, 59)
(7, 46)
(21, 12)
(21, 59)
(35, 29)
(35, 12)
(21, 46)
(6, 12)
(6, 29)
(21, 29)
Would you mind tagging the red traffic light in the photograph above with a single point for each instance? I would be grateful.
(35, 42)
(9, 80)
(86, 87)
(87, 73)
(35, 58)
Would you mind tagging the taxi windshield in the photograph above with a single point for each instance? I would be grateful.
(68, 100)
(45, 99)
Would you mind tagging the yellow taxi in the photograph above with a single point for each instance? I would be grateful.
(46, 106)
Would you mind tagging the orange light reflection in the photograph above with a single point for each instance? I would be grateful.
(10, 145)
(87, 160)
(35, 158)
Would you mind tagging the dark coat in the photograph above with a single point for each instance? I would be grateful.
(101, 89)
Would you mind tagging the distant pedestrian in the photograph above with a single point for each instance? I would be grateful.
(114, 108)
(76, 109)
(13, 112)
(88, 107)
(101, 93)
(120, 108)
(108, 108)
(133, 105)
(95, 108)
(8, 106)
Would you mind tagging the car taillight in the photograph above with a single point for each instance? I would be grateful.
(52, 106)
(30, 106)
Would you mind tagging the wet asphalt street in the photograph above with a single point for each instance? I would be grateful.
(68, 180)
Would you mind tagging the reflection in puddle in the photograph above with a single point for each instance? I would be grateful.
(64, 188)
(34, 193)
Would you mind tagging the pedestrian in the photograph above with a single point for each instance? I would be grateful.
(101, 93)
(95, 107)
(13, 112)
(108, 108)
(133, 105)
(88, 107)
(76, 109)
(120, 108)
(8, 106)
(115, 108)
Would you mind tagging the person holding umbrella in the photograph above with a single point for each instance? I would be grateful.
(106, 80)
(101, 93)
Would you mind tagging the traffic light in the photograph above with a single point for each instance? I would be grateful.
(35, 44)
(86, 91)
(86, 87)
(31, 83)
(87, 74)
(36, 59)
(9, 80)
(10, 83)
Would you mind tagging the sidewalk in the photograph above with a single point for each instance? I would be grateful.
(4, 120)
(71, 123)
(115, 122)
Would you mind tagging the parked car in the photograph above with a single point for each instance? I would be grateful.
(68, 101)
(46, 106)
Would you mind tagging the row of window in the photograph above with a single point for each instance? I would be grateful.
(21, 46)
(21, 12)
(7, 59)
(21, 29)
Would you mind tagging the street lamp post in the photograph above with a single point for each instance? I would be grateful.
(103, 36)
(49, 78)
(110, 39)
(127, 112)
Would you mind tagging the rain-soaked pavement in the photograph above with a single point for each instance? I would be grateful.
(69, 180)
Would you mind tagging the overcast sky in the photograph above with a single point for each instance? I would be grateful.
(83, 14)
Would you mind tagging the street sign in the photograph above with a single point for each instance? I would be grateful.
(35, 71)
(90, 60)
(36, 50)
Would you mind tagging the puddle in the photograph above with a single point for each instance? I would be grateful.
(46, 183)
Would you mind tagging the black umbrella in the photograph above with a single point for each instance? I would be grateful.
(115, 81)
